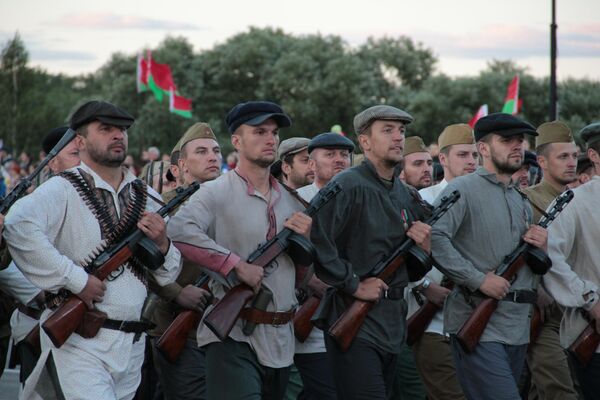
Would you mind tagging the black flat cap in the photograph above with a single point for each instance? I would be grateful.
(255, 113)
(102, 111)
(503, 125)
(52, 138)
(591, 133)
(330, 140)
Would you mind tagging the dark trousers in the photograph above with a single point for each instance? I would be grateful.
(185, 379)
(491, 372)
(589, 377)
(364, 372)
(315, 370)
(233, 373)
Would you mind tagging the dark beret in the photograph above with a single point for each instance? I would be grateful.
(591, 133)
(255, 113)
(530, 159)
(503, 125)
(102, 111)
(330, 140)
(52, 138)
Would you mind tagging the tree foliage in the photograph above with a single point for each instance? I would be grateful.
(319, 80)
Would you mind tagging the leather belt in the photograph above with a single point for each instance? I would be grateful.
(521, 296)
(126, 326)
(29, 311)
(267, 317)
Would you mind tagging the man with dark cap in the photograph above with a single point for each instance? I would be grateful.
(470, 241)
(199, 161)
(522, 177)
(548, 364)
(433, 355)
(329, 154)
(574, 279)
(368, 219)
(293, 154)
(218, 228)
(67, 157)
(417, 165)
(54, 230)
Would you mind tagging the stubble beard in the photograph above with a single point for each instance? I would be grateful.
(106, 158)
(504, 167)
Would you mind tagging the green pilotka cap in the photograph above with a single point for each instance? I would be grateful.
(200, 130)
(553, 132)
(456, 134)
(414, 144)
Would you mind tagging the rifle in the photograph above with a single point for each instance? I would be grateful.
(172, 341)
(65, 320)
(348, 324)
(21, 188)
(584, 347)
(535, 328)
(538, 261)
(420, 320)
(222, 317)
(302, 320)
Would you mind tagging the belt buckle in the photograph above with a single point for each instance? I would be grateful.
(122, 325)
(276, 319)
(514, 296)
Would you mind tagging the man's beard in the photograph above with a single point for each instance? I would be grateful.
(106, 158)
(504, 167)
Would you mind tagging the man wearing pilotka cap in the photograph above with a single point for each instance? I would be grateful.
(470, 241)
(368, 219)
(218, 228)
(548, 364)
(417, 164)
(574, 279)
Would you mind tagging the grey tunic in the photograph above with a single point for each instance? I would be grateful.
(471, 239)
(352, 233)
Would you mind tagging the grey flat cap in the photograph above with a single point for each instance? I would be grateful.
(365, 118)
(292, 146)
(591, 133)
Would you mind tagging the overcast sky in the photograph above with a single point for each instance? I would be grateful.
(78, 36)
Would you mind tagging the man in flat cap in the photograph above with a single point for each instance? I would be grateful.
(293, 153)
(218, 228)
(67, 158)
(53, 231)
(523, 176)
(329, 154)
(548, 364)
(367, 220)
(574, 279)
(470, 241)
(458, 156)
(199, 161)
(417, 165)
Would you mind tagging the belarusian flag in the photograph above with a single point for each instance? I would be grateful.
(511, 102)
(180, 105)
(160, 78)
(142, 74)
(482, 112)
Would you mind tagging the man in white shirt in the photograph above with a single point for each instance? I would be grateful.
(458, 156)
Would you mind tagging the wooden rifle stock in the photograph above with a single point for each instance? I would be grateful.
(173, 339)
(472, 330)
(420, 320)
(222, 317)
(535, 327)
(65, 320)
(33, 340)
(302, 320)
(584, 347)
(345, 328)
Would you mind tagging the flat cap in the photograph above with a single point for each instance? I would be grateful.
(591, 133)
(102, 111)
(456, 134)
(52, 138)
(255, 113)
(330, 140)
(292, 146)
(553, 132)
(414, 144)
(503, 125)
(365, 118)
(200, 130)
(530, 159)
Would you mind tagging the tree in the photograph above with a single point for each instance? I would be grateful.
(14, 59)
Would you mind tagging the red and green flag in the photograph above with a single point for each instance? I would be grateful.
(482, 112)
(142, 74)
(511, 101)
(180, 105)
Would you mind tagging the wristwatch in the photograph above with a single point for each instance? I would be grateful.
(426, 283)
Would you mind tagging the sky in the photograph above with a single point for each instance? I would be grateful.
(75, 37)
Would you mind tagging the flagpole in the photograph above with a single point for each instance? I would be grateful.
(553, 112)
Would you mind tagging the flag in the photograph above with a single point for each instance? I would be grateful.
(180, 105)
(160, 78)
(511, 102)
(142, 74)
(482, 112)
